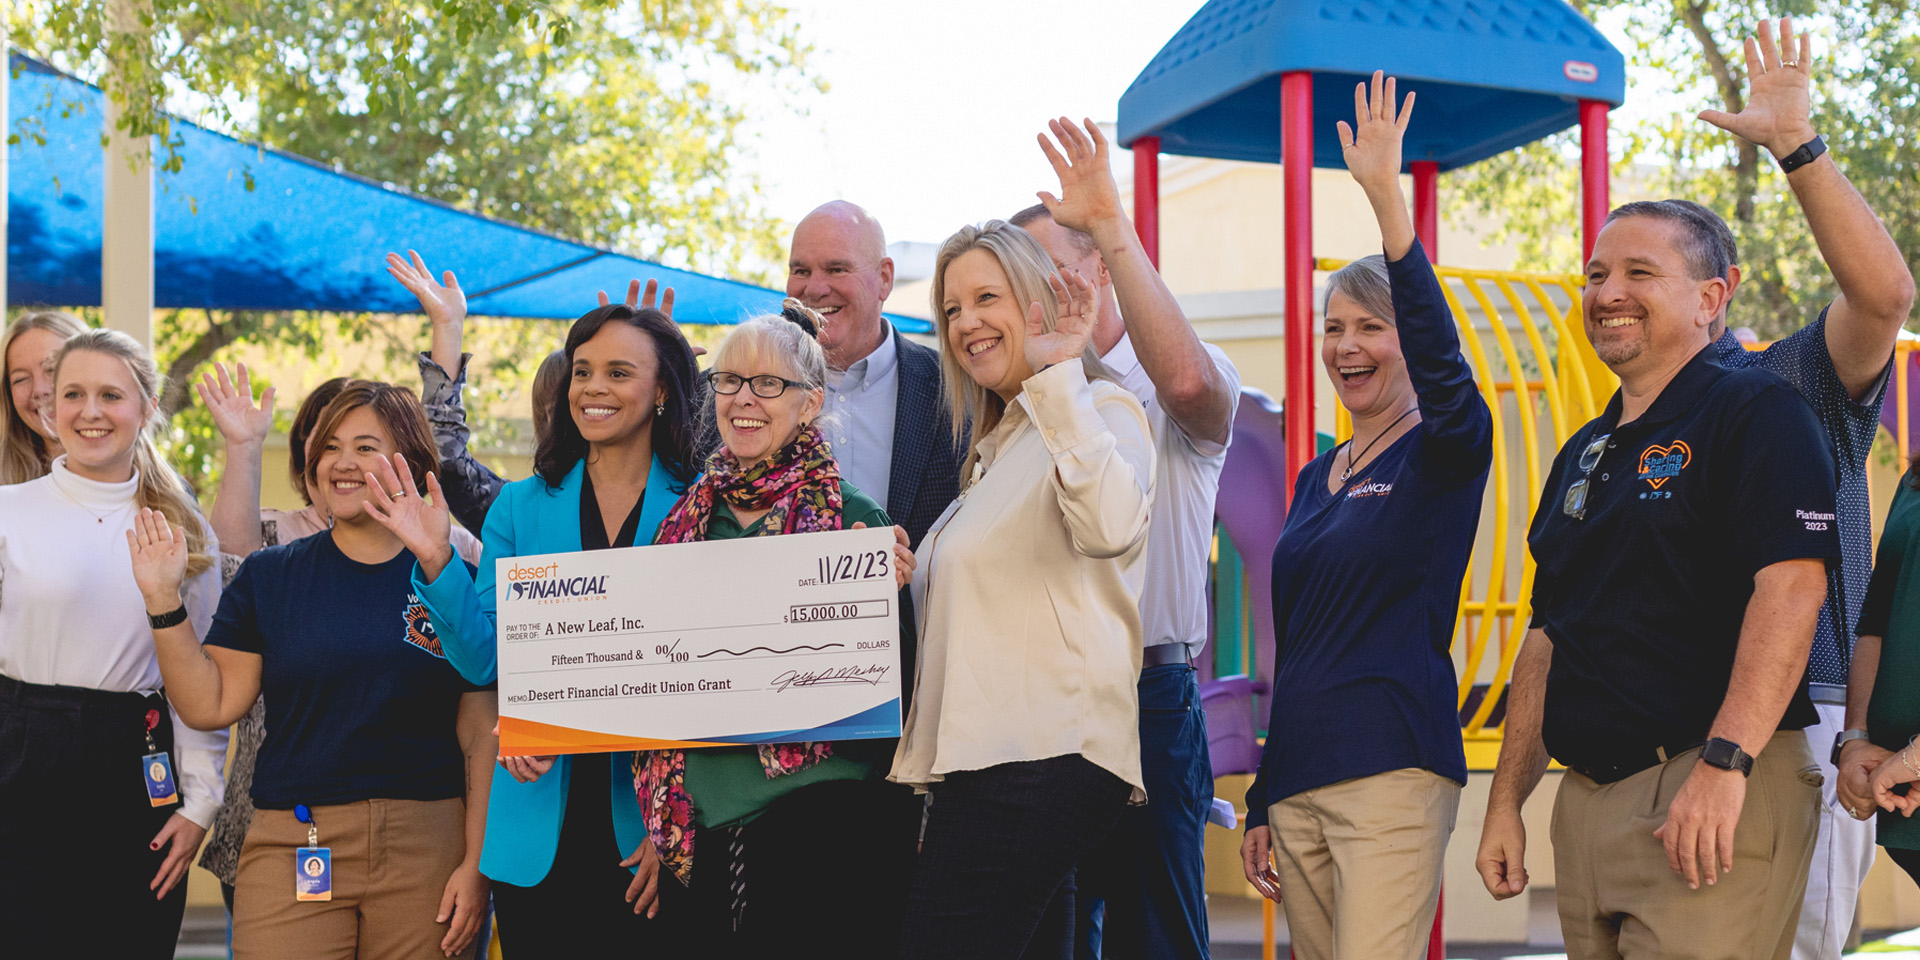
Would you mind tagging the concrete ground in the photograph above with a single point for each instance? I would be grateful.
(1235, 924)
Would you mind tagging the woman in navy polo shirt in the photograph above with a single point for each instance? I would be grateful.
(1360, 780)
(376, 750)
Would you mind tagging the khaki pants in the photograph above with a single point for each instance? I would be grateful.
(1360, 864)
(1618, 897)
(391, 861)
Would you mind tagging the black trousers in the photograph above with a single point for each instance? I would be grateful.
(76, 826)
(1908, 860)
(995, 876)
(827, 865)
(580, 908)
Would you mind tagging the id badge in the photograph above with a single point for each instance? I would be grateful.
(158, 769)
(313, 873)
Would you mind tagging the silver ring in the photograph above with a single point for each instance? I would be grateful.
(399, 494)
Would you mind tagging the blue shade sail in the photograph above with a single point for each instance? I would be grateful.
(243, 227)
(1492, 75)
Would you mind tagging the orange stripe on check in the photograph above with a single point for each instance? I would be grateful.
(529, 738)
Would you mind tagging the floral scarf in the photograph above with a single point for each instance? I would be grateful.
(799, 487)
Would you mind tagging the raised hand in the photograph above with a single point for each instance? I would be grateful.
(1371, 146)
(644, 300)
(1778, 114)
(230, 400)
(422, 524)
(1091, 201)
(1072, 325)
(443, 301)
(159, 560)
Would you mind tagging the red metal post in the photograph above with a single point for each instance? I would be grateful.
(1146, 195)
(1296, 159)
(1426, 206)
(1594, 174)
(1437, 944)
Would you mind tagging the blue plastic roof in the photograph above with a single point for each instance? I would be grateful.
(303, 237)
(1492, 75)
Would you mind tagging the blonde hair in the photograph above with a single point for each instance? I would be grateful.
(23, 451)
(160, 487)
(1027, 267)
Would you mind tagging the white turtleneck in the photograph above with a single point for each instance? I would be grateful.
(70, 613)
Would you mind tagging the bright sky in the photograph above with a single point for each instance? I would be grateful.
(933, 107)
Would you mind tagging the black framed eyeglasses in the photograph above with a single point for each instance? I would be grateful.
(1575, 505)
(766, 386)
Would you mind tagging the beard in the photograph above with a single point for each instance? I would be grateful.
(1616, 350)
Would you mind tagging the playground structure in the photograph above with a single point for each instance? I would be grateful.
(1264, 80)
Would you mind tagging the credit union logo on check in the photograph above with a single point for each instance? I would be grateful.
(544, 584)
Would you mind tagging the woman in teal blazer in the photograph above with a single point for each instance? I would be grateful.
(555, 843)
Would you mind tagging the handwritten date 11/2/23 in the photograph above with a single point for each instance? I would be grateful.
(851, 567)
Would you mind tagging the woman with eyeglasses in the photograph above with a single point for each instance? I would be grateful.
(1360, 780)
(763, 841)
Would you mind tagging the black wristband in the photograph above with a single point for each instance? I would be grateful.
(172, 618)
(1808, 152)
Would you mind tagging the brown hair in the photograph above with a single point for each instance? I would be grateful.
(1081, 240)
(399, 411)
(160, 487)
(23, 451)
(301, 432)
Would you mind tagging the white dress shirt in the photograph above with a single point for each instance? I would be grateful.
(70, 613)
(860, 411)
(1028, 591)
(1187, 479)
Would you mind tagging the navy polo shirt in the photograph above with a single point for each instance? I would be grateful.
(361, 703)
(1366, 579)
(1726, 473)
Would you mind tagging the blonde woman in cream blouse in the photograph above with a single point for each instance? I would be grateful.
(1024, 727)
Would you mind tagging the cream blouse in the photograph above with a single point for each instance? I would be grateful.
(1028, 591)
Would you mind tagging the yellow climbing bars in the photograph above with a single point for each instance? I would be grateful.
(1522, 334)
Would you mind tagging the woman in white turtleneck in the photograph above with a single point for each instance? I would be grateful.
(86, 819)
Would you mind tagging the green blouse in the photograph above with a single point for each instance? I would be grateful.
(727, 784)
(1891, 611)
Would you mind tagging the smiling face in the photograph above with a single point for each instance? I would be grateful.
(1642, 305)
(986, 325)
(98, 413)
(1361, 352)
(754, 427)
(345, 457)
(29, 382)
(838, 265)
(614, 385)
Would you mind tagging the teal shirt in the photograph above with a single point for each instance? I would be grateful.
(727, 784)
(1891, 611)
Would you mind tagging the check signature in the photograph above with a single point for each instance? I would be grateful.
(813, 678)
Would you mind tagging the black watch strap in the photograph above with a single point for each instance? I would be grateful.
(1808, 152)
(172, 618)
(1727, 755)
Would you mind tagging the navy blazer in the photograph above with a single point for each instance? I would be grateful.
(926, 461)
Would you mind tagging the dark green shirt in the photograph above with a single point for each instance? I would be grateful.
(728, 786)
(1891, 611)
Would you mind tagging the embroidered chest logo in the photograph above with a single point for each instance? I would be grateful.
(420, 629)
(1370, 489)
(1659, 464)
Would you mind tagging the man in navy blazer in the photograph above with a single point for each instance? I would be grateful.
(889, 429)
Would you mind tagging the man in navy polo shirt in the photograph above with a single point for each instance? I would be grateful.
(1683, 541)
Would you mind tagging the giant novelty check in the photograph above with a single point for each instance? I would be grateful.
(755, 640)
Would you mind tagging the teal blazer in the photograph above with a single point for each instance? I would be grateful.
(527, 519)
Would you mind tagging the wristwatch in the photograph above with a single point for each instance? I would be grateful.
(1808, 153)
(1727, 755)
(1841, 739)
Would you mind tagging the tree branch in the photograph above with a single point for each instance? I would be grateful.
(1746, 166)
(176, 392)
